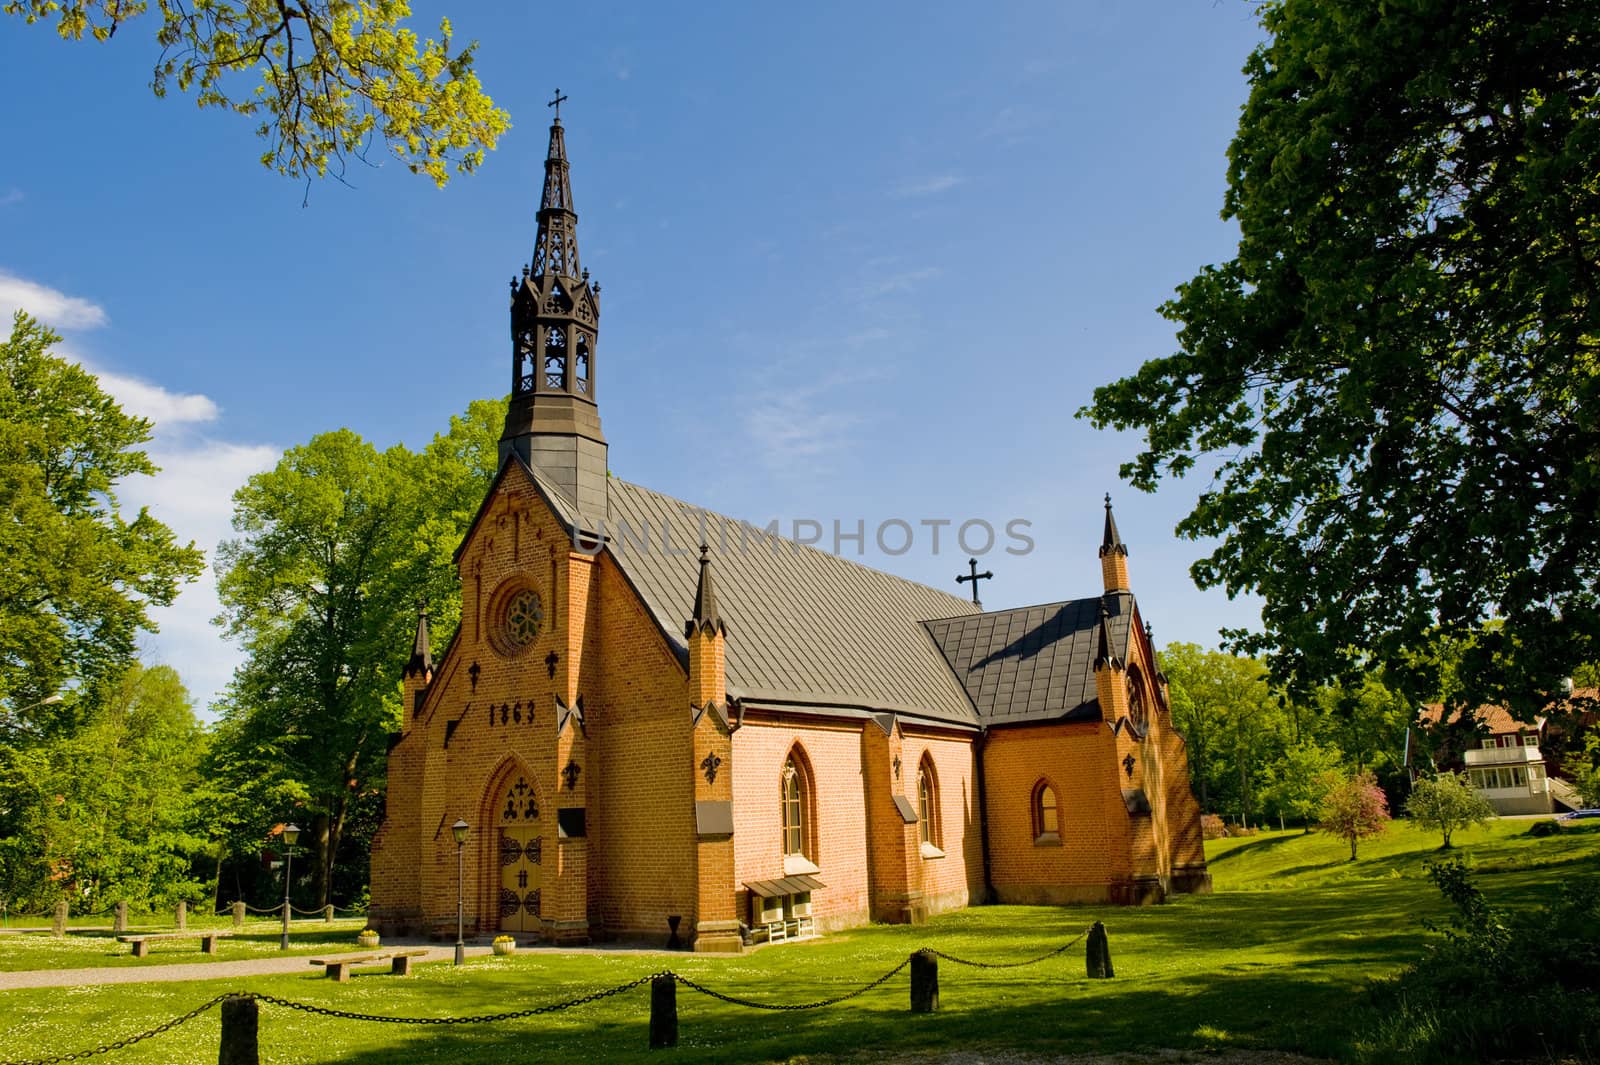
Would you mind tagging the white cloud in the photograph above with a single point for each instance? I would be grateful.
(48, 304)
(928, 186)
(164, 408)
(193, 495)
(11, 196)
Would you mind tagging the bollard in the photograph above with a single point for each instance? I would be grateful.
(180, 919)
(924, 982)
(327, 913)
(58, 926)
(1097, 955)
(241, 1020)
(119, 923)
(238, 915)
(663, 1011)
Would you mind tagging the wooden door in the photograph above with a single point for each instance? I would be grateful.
(521, 859)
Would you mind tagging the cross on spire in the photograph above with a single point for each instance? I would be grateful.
(975, 577)
(556, 103)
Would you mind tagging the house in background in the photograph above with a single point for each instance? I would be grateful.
(1504, 758)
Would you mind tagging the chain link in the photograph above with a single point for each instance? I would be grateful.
(482, 1018)
(106, 1048)
(879, 982)
(1005, 964)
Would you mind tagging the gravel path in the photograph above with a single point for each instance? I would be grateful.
(214, 970)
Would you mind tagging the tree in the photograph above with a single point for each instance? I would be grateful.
(1447, 801)
(1394, 382)
(1584, 769)
(308, 589)
(77, 577)
(334, 73)
(1229, 721)
(1355, 809)
(337, 544)
(106, 809)
(1297, 782)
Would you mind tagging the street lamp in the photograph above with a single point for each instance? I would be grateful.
(459, 831)
(291, 835)
(14, 716)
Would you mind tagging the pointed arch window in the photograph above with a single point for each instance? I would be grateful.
(555, 358)
(928, 809)
(1138, 711)
(794, 809)
(1046, 817)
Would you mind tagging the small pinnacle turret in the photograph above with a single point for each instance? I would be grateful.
(1105, 657)
(1113, 554)
(706, 617)
(421, 662)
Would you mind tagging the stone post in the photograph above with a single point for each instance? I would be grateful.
(1097, 955)
(241, 1018)
(327, 913)
(58, 926)
(180, 919)
(924, 983)
(238, 915)
(119, 923)
(663, 1011)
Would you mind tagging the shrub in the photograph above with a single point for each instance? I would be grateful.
(1355, 809)
(1498, 985)
(1541, 829)
(1446, 802)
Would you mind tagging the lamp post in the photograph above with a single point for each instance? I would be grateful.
(14, 716)
(459, 831)
(291, 834)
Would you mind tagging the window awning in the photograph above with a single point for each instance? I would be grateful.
(789, 885)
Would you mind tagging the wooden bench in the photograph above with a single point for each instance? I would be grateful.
(399, 962)
(141, 943)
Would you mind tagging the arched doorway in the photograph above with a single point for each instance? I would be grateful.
(521, 856)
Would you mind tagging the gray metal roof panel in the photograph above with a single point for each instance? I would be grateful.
(1033, 663)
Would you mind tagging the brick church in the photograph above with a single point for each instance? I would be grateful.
(657, 721)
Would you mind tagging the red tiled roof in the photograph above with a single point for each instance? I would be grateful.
(1498, 720)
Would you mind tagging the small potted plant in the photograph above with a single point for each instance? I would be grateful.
(505, 945)
(368, 938)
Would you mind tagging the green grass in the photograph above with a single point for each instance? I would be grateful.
(1279, 958)
(98, 948)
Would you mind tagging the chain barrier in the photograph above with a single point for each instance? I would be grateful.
(482, 1018)
(1005, 964)
(789, 1006)
(554, 1007)
(106, 1048)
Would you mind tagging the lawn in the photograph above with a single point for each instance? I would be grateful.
(98, 947)
(1278, 958)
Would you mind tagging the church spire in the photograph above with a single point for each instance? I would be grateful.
(1113, 554)
(553, 423)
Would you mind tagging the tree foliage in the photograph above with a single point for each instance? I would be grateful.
(334, 75)
(336, 546)
(106, 811)
(1354, 808)
(1584, 769)
(1447, 802)
(77, 576)
(1397, 377)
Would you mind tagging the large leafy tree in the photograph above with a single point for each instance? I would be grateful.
(334, 74)
(308, 589)
(336, 546)
(1231, 723)
(77, 574)
(1396, 381)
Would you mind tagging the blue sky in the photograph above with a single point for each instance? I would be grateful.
(861, 262)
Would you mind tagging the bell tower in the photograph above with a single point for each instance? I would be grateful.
(553, 422)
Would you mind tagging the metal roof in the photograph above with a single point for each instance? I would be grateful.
(1034, 663)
